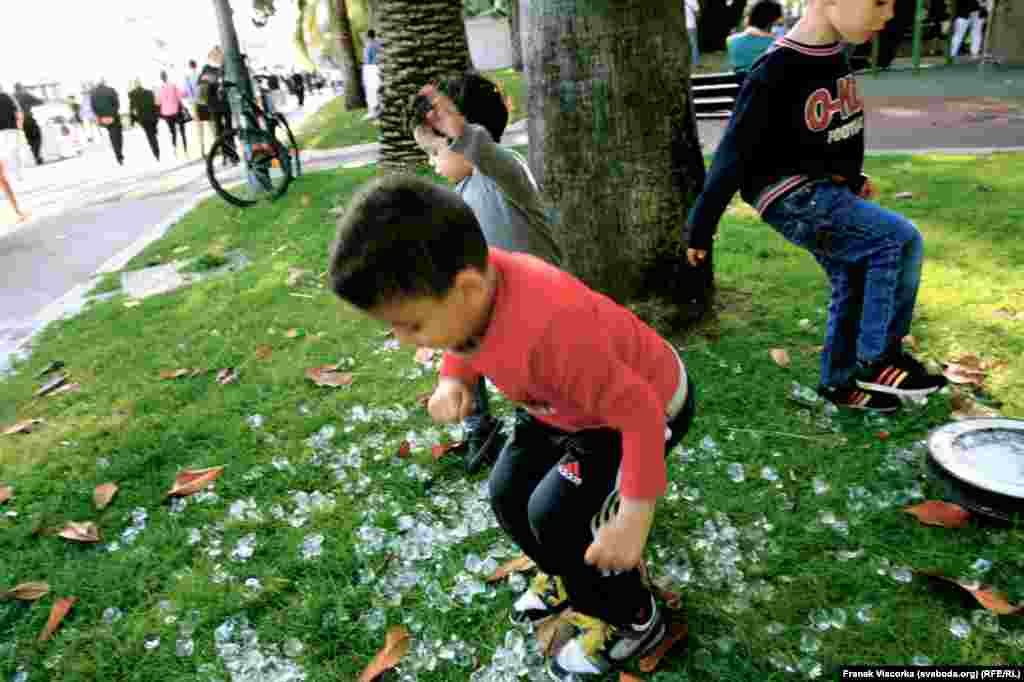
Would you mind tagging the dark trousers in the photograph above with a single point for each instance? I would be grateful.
(116, 138)
(553, 516)
(174, 123)
(150, 129)
(34, 136)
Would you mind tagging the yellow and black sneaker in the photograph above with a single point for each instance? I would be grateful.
(599, 647)
(853, 398)
(545, 598)
(901, 375)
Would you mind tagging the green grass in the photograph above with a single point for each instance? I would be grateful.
(332, 127)
(110, 281)
(127, 425)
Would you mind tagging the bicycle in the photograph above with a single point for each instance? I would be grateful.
(270, 163)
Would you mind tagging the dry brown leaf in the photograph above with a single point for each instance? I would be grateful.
(986, 595)
(553, 633)
(226, 376)
(626, 677)
(329, 376)
(197, 371)
(780, 356)
(970, 361)
(27, 426)
(103, 494)
(938, 513)
(67, 388)
(441, 449)
(174, 373)
(263, 352)
(294, 333)
(520, 564)
(903, 195)
(677, 631)
(964, 407)
(57, 613)
(80, 531)
(6, 493)
(306, 200)
(26, 591)
(396, 645)
(191, 481)
(963, 374)
(404, 450)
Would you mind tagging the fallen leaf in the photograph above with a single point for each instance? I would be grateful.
(780, 356)
(226, 376)
(263, 352)
(970, 361)
(911, 341)
(441, 449)
(986, 595)
(626, 677)
(57, 613)
(174, 373)
(103, 494)
(295, 333)
(963, 374)
(554, 633)
(296, 275)
(677, 631)
(328, 376)
(520, 564)
(84, 531)
(132, 304)
(67, 388)
(424, 355)
(964, 407)
(191, 481)
(306, 200)
(883, 435)
(26, 592)
(27, 426)
(6, 493)
(903, 195)
(396, 645)
(938, 513)
(52, 385)
(404, 450)
(197, 371)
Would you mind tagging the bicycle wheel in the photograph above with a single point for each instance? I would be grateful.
(288, 140)
(269, 172)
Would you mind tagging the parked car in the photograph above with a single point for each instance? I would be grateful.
(62, 139)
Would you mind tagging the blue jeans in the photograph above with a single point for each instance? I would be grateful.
(873, 260)
(694, 49)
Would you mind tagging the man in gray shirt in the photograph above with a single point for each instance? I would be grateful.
(497, 185)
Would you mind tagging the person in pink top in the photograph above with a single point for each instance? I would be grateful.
(602, 398)
(171, 106)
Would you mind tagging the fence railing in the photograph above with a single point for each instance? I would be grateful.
(714, 94)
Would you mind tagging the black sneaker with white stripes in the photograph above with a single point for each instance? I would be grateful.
(853, 398)
(900, 375)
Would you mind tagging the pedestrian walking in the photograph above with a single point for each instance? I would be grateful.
(966, 16)
(87, 114)
(192, 102)
(299, 86)
(172, 111)
(692, 9)
(371, 74)
(11, 121)
(26, 100)
(142, 109)
(107, 106)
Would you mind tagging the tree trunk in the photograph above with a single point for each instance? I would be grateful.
(372, 12)
(1007, 32)
(420, 40)
(717, 20)
(613, 140)
(517, 40)
(355, 97)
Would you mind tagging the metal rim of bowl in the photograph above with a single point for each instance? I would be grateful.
(941, 452)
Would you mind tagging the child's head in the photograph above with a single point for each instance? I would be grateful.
(764, 14)
(856, 21)
(480, 101)
(411, 254)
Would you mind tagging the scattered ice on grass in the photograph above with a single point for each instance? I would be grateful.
(820, 486)
(151, 642)
(20, 675)
(827, 518)
(985, 621)
(901, 574)
(178, 505)
(244, 510)
(111, 615)
(374, 619)
(245, 548)
(775, 628)
(821, 619)
(736, 473)
(809, 667)
(281, 463)
(769, 474)
(293, 648)
(312, 546)
(849, 555)
(516, 582)
(690, 494)
(255, 421)
(865, 614)
(184, 648)
(102, 463)
(809, 643)
(253, 585)
(920, 660)
(981, 567)
(194, 536)
(838, 618)
(804, 395)
(959, 627)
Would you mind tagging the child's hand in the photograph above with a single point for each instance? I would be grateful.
(444, 116)
(619, 545)
(451, 402)
(696, 257)
(867, 190)
(428, 140)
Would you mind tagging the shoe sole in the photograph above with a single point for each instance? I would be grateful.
(898, 392)
(552, 665)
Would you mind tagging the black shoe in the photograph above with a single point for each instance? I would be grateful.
(853, 398)
(900, 375)
(485, 443)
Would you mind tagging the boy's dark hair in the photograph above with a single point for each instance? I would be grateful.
(480, 101)
(371, 34)
(400, 237)
(764, 14)
(191, 63)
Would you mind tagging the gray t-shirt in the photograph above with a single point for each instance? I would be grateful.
(504, 197)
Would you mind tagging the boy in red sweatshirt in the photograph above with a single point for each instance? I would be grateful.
(602, 399)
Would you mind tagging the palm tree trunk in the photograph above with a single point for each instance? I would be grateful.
(420, 40)
(517, 41)
(613, 140)
(355, 97)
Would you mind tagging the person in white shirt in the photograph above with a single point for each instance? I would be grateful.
(692, 10)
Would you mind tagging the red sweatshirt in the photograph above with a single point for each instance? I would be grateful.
(576, 360)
